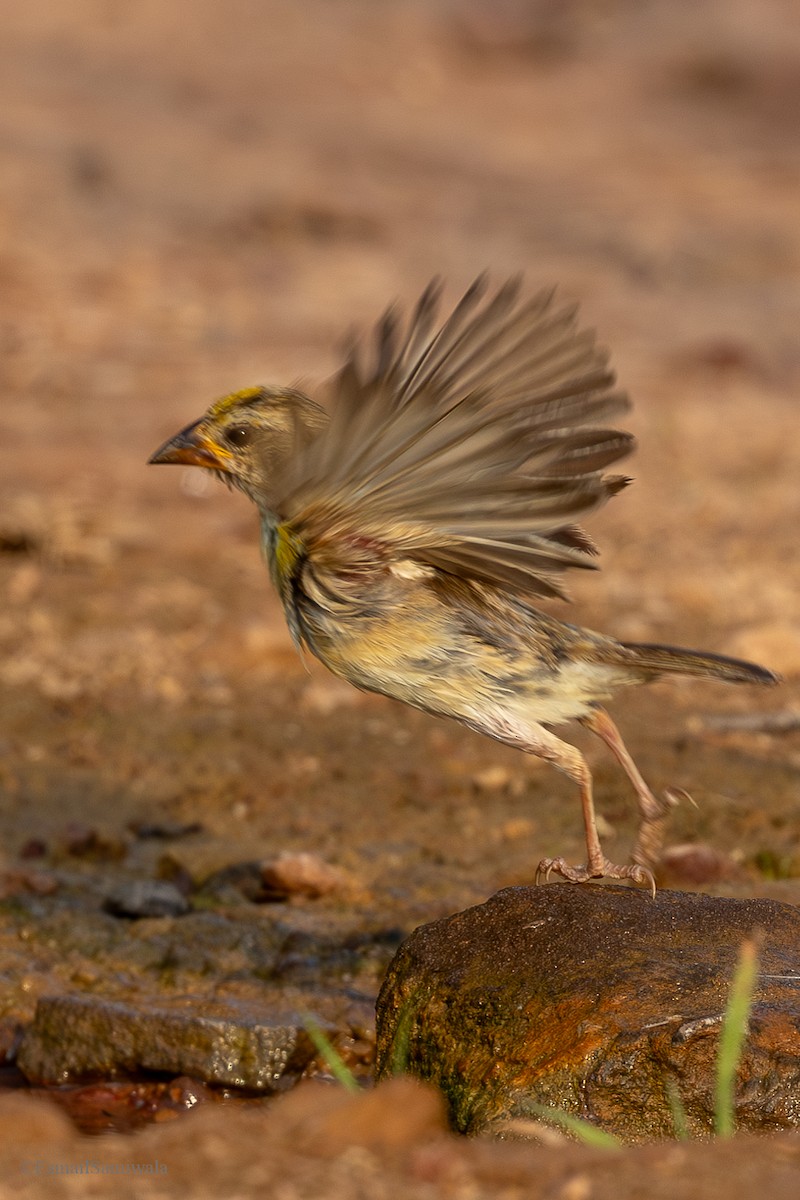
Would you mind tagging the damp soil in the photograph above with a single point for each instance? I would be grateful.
(192, 207)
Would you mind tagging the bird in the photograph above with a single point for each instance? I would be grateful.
(414, 525)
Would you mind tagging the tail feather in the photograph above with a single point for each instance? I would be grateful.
(677, 661)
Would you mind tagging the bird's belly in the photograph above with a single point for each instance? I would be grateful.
(544, 699)
(396, 663)
(432, 666)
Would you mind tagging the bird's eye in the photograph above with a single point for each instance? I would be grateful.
(238, 435)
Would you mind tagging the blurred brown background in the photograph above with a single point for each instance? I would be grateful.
(197, 197)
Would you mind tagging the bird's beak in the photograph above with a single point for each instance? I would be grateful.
(193, 448)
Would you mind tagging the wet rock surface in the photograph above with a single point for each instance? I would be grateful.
(127, 1105)
(214, 995)
(598, 1001)
(74, 1037)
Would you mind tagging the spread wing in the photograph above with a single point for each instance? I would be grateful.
(472, 448)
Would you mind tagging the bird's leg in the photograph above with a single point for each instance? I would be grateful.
(650, 837)
(569, 760)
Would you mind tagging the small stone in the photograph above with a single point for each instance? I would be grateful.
(170, 870)
(303, 875)
(75, 1037)
(81, 841)
(236, 882)
(36, 883)
(696, 862)
(164, 830)
(146, 898)
(33, 848)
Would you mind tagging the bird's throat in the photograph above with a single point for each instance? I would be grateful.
(284, 552)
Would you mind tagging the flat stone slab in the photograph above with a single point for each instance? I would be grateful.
(599, 1001)
(78, 1037)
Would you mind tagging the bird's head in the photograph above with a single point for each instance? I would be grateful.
(247, 437)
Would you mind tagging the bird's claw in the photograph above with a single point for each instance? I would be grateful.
(603, 869)
(560, 866)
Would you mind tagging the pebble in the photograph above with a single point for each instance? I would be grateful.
(138, 898)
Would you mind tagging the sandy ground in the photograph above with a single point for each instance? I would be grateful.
(196, 199)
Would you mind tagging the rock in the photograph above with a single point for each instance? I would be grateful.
(33, 848)
(164, 830)
(81, 841)
(234, 883)
(696, 863)
(146, 898)
(37, 883)
(75, 1037)
(304, 874)
(595, 1000)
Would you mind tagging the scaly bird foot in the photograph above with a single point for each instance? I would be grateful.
(603, 869)
(652, 828)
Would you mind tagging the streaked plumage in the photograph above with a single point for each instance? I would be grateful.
(408, 532)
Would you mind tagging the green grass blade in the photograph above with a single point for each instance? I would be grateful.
(587, 1133)
(732, 1037)
(401, 1045)
(680, 1125)
(338, 1069)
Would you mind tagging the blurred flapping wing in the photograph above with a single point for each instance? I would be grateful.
(473, 448)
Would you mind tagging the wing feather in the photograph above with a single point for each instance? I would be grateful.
(472, 448)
